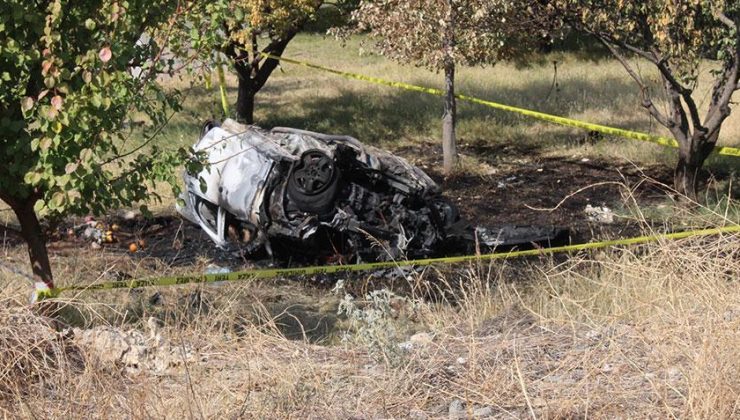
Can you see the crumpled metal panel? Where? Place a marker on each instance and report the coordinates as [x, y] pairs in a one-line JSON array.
[[375, 198], [238, 168]]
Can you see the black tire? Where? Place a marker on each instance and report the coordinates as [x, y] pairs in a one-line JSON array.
[[313, 182]]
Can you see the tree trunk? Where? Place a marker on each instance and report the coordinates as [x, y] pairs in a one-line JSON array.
[[449, 147], [685, 178], [253, 72], [245, 101], [688, 177], [36, 242]]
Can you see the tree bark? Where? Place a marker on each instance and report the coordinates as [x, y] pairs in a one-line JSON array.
[[245, 101], [689, 177], [685, 178], [449, 119], [36, 242], [254, 71]]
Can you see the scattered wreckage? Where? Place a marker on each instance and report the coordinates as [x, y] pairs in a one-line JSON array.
[[299, 193]]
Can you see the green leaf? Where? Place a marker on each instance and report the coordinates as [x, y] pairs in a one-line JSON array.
[[96, 100], [38, 206], [57, 200], [32, 178], [45, 144], [86, 155], [63, 180], [27, 104]]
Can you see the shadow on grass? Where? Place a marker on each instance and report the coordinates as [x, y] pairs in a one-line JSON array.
[[390, 117], [380, 115]]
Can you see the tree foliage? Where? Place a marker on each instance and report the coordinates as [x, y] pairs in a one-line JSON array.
[[244, 30], [441, 34], [68, 90], [68, 93], [675, 36], [419, 31]]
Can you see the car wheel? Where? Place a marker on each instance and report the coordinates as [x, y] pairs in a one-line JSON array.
[[313, 182]]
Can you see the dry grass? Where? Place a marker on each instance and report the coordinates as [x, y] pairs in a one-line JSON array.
[[639, 332], [597, 91]]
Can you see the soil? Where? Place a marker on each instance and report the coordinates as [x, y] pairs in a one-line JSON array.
[[516, 188], [533, 190], [519, 189]]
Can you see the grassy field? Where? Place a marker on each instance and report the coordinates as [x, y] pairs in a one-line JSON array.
[[640, 332], [594, 91]]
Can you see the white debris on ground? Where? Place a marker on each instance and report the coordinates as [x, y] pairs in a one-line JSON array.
[[598, 214], [132, 350], [417, 340], [459, 410], [506, 182]]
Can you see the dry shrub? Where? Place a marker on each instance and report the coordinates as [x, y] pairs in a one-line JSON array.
[[648, 331], [31, 351]]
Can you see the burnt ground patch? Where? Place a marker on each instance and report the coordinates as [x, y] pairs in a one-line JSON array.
[[516, 187], [528, 189]]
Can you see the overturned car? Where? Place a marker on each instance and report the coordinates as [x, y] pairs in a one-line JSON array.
[[293, 192]]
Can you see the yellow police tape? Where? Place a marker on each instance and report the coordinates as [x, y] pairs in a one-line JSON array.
[[222, 88], [635, 135], [338, 269]]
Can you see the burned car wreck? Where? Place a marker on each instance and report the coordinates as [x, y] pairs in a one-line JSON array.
[[298, 193]]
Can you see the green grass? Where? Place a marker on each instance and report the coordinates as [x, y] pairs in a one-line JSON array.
[[594, 91], [598, 91]]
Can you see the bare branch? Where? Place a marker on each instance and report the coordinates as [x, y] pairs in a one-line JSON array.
[[648, 55], [655, 112], [724, 88], [646, 100], [662, 64], [666, 72], [726, 21], [277, 48], [680, 126], [623, 60], [693, 112]]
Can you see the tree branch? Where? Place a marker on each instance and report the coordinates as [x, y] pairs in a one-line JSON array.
[[726, 20], [662, 65], [724, 88], [277, 48], [646, 100], [631, 48], [672, 85], [680, 127], [693, 112]]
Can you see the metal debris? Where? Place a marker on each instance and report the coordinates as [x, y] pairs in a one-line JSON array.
[[304, 193]]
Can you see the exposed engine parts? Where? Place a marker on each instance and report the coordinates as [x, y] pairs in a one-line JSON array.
[[303, 193]]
